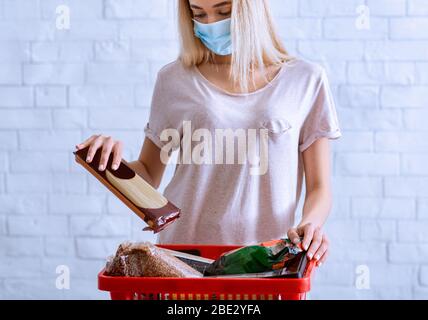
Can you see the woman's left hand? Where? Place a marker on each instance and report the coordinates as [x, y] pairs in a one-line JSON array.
[[314, 241]]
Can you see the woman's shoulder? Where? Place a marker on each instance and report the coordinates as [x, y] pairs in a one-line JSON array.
[[172, 69], [305, 68], [174, 76]]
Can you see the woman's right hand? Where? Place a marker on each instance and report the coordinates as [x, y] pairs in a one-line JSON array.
[[108, 146]]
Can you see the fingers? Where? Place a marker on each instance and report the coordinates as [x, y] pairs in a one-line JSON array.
[[316, 243], [95, 145], [117, 155], [105, 153], [323, 259], [108, 146], [322, 249], [86, 143], [308, 234], [293, 235]]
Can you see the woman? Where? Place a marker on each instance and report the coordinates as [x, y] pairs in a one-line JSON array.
[[234, 74]]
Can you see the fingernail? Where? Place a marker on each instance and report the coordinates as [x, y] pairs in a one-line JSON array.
[[310, 256], [319, 264], [88, 159], [114, 167], [101, 168], [317, 257]]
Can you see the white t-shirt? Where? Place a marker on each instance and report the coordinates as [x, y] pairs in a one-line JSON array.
[[228, 203]]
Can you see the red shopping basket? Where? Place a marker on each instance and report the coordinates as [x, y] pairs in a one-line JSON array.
[[146, 288]]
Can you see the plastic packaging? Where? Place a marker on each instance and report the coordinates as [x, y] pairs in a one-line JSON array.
[[196, 262], [146, 260], [268, 256]]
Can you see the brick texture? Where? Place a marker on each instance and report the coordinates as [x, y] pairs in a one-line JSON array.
[[57, 87]]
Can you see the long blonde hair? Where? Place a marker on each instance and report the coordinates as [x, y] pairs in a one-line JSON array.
[[255, 40]]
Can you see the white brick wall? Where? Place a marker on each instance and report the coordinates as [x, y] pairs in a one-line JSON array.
[[57, 87]]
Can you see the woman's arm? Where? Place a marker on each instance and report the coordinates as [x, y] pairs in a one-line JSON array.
[[149, 164], [318, 201]]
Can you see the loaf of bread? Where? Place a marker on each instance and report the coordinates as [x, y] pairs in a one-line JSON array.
[[146, 260]]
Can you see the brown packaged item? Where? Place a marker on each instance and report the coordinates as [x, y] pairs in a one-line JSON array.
[[149, 204], [118, 265], [146, 260]]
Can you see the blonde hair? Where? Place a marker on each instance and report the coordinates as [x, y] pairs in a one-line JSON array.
[[255, 40]]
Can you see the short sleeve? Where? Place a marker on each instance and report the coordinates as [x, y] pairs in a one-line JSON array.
[[321, 121], [159, 114]]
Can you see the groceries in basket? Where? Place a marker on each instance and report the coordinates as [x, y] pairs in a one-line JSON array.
[[196, 262], [146, 260], [269, 259], [273, 259], [136, 193], [249, 288]]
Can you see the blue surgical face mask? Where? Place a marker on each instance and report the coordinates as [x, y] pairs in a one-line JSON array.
[[215, 36]]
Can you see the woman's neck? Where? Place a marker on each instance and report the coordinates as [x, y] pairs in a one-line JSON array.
[[217, 59]]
